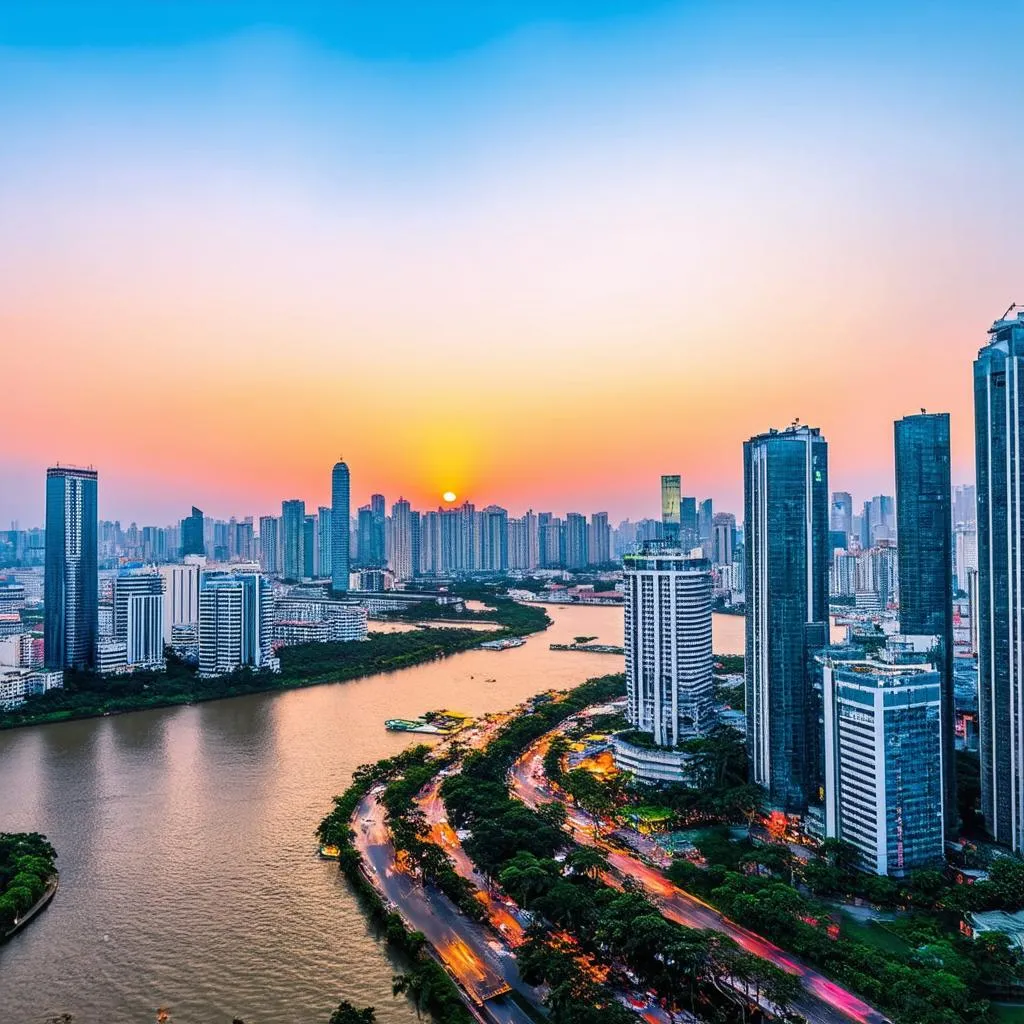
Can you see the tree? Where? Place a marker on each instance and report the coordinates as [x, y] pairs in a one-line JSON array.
[[587, 860], [346, 1013]]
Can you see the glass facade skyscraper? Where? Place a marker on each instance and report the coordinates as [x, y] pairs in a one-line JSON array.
[[671, 503], [341, 515], [71, 577], [998, 405], [192, 539], [786, 527], [293, 525], [924, 533]]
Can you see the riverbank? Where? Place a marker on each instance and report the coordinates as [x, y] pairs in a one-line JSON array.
[[87, 695], [37, 908]]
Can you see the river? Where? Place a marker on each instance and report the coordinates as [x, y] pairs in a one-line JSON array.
[[185, 839]]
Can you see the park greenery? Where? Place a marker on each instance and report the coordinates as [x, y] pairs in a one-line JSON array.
[[88, 694], [584, 928], [26, 871]]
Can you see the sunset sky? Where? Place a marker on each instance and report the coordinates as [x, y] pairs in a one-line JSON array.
[[532, 252]]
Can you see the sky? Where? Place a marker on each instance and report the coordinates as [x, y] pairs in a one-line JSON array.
[[534, 253]]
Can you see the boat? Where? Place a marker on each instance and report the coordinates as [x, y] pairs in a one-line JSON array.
[[329, 852], [433, 723], [503, 644]]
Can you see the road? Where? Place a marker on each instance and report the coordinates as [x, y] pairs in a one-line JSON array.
[[478, 961], [828, 1003]]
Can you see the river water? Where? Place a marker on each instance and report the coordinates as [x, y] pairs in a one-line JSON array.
[[185, 840]]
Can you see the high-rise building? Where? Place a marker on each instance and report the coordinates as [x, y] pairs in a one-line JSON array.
[[364, 536], [378, 541], [688, 534], [841, 516], [270, 545], [786, 520], [884, 762], [577, 555], [998, 403], [193, 534], [723, 539], [925, 537], [324, 543], [309, 532], [965, 501], [340, 518], [138, 601], [965, 552], [668, 643], [236, 623], [400, 558], [181, 595], [705, 526], [494, 539], [671, 505], [71, 575], [467, 555], [293, 524], [599, 541]]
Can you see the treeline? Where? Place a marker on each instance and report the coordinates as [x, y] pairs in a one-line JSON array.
[[513, 618], [425, 982], [26, 868], [939, 981], [580, 920]]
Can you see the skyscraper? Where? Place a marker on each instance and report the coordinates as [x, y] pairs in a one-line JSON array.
[[400, 557], [309, 529], [577, 555], [293, 521], [181, 595], [378, 514], [841, 516], [193, 540], [924, 533], [325, 539], [340, 517], [668, 643], [786, 519], [494, 539], [600, 539], [71, 576], [139, 617], [705, 521], [688, 534], [724, 538], [671, 503], [236, 618], [270, 544], [998, 402]]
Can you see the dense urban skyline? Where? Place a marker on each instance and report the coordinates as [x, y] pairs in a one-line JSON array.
[[389, 237]]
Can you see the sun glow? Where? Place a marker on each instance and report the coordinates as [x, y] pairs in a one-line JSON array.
[[449, 496]]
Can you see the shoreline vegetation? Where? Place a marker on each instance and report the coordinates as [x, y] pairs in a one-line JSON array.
[[28, 879], [90, 695]]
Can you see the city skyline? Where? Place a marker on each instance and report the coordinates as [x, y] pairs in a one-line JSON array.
[[438, 246]]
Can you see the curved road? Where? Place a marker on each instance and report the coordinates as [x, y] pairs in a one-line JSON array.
[[830, 1003]]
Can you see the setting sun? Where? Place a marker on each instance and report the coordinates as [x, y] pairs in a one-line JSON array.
[[449, 496]]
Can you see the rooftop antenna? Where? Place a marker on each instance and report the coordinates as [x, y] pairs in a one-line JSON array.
[[1009, 309]]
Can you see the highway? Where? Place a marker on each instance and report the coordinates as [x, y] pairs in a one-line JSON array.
[[827, 1002]]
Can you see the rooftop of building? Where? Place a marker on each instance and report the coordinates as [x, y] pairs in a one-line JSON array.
[[796, 430]]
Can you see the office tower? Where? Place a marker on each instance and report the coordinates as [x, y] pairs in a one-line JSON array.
[[236, 621], [786, 516], [309, 531], [688, 523], [400, 559], [181, 595], [668, 643], [576, 553], [924, 544], [884, 753], [671, 505], [364, 536], [193, 537], [293, 521], [998, 401], [965, 504], [841, 515], [378, 555], [139, 617], [723, 538], [324, 542], [340, 525], [837, 540], [599, 541], [965, 552], [71, 587], [705, 526], [270, 545], [494, 539]]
